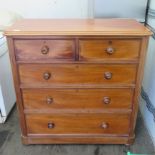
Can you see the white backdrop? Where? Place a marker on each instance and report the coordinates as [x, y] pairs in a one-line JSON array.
[[47, 8], [149, 76], [121, 8]]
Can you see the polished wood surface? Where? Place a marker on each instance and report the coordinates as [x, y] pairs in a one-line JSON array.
[[46, 99], [62, 74], [110, 49], [44, 49], [78, 124], [72, 139], [76, 27], [77, 81]]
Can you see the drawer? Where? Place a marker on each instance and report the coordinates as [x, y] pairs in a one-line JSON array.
[[85, 74], [27, 50], [118, 49], [92, 123], [39, 99]]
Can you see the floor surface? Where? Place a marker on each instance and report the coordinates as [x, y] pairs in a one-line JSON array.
[[10, 143]]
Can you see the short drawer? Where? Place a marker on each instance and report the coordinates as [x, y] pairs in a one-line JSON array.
[[46, 99], [28, 50], [111, 49], [92, 123], [85, 74]]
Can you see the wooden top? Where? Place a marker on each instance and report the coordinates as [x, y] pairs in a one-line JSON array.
[[105, 27]]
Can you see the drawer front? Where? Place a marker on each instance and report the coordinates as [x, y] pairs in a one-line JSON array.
[[44, 49], [109, 49], [91, 123], [35, 74], [77, 98]]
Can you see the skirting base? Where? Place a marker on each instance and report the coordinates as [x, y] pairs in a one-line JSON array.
[[77, 140]]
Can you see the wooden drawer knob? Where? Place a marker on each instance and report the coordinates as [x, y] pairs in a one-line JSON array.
[[49, 100], [110, 50], [105, 125], [51, 125], [108, 75], [45, 49], [106, 100], [46, 76]]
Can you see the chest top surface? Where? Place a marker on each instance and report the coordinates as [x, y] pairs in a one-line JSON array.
[[113, 27]]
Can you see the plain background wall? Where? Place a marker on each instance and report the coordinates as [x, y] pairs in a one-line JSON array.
[[149, 77], [48, 8], [121, 8], [149, 87]]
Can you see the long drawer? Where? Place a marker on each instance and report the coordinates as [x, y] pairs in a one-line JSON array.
[[92, 123], [84, 74], [39, 49], [110, 49], [46, 99]]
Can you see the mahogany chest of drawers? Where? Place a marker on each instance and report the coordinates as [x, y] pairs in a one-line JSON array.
[[77, 81]]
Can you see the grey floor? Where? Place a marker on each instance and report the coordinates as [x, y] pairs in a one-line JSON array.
[[10, 143]]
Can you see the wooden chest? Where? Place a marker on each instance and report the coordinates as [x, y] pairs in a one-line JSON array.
[[77, 81]]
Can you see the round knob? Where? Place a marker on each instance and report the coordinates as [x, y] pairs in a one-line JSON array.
[[106, 100], [45, 49], [104, 125], [49, 100], [110, 50], [51, 125], [46, 76], [108, 75]]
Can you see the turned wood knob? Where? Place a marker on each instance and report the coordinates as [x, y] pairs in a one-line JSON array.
[[46, 75], [49, 100], [104, 125], [108, 75], [110, 50], [45, 49], [51, 125], [106, 100]]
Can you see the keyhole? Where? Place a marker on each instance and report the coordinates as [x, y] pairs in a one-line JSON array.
[[110, 42]]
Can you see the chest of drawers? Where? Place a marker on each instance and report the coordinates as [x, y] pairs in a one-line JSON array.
[[77, 81]]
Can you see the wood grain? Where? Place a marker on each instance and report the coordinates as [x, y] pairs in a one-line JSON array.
[[76, 27], [125, 49], [32, 49], [76, 74], [77, 81], [138, 84], [78, 124], [16, 85], [46, 99], [72, 139]]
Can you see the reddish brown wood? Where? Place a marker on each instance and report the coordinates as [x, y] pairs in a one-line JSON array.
[[44, 49], [77, 27], [78, 124], [17, 86], [78, 139], [111, 49], [138, 84], [44, 99], [31, 74], [77, 81]]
